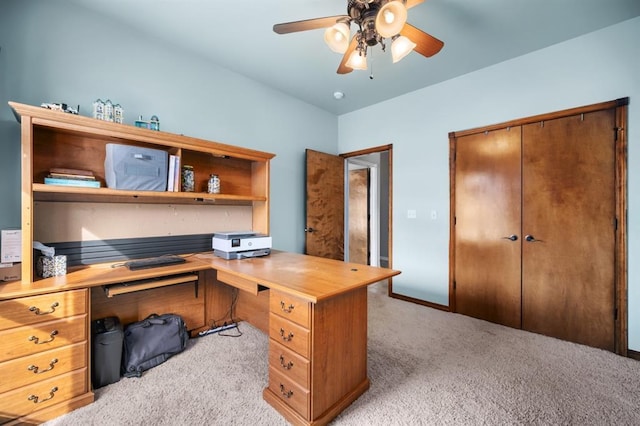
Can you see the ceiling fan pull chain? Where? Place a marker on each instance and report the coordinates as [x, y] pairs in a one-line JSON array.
[[372, 62]]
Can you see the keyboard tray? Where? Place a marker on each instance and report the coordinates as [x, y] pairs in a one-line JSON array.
[[133, 286], [154, 262]]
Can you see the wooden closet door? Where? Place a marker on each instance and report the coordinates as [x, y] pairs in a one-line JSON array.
[[568, 268], [488, 211]]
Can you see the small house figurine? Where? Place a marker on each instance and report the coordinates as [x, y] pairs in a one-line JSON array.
[[98, 109], [118, 114], [108, 111]]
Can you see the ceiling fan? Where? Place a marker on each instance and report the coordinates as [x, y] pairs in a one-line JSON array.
[[376, 20]]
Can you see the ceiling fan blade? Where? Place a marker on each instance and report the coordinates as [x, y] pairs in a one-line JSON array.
[[427, 45], [411, 3], [308, 24], [343, 68]]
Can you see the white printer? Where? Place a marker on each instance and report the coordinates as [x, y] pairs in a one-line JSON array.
[[240, 244]]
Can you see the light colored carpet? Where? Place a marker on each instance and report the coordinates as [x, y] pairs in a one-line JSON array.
[[426, 367]]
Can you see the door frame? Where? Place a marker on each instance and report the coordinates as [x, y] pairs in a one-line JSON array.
[[355, 163], [621, 278], [352, 157]]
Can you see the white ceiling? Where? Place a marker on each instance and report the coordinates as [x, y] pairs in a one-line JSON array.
[[238, 35]]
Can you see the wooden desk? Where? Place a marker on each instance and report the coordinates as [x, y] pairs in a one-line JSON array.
[[317, 329], [315, 310]]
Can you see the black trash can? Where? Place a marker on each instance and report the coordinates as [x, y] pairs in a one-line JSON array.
[[107, 336]]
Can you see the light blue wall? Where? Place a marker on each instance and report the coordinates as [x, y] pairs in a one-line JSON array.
[[597, 67], [54, 52]]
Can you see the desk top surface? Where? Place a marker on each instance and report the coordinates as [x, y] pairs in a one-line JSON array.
[[312, 278]]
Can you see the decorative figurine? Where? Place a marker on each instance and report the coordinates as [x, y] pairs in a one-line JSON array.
[[60, 107]]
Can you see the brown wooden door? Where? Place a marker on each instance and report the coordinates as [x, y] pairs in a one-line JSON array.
[[487, 226], [359, 216], [568, 267], [325, 205]]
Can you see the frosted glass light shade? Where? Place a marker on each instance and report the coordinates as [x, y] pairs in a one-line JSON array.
[[391, 18], [337, 37], [401, 47], [357, 61]]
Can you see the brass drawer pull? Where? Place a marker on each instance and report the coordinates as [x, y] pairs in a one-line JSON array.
[[51, 310], [37, 341], [286, 338], [286, 366], [287, 394], [286, 309], [36, 399], [36, 369]]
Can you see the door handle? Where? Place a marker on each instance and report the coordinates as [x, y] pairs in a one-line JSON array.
[[532, 239], [513, 237], [309, 229]]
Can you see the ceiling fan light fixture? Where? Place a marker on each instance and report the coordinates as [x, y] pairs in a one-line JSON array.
[[357, 60], [337, 37], [391, 18], [401, 47]]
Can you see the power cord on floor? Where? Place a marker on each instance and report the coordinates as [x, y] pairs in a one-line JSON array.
[[231, 325]]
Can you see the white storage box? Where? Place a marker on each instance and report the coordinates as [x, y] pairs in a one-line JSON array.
[[135, 168]]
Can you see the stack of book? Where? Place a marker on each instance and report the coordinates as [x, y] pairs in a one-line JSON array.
[[72, 177]]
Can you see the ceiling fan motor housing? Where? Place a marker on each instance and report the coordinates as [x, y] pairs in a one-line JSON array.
[[363, 13]]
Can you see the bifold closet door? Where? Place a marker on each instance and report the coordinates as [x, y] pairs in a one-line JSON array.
[[487, 226], [568, 222]]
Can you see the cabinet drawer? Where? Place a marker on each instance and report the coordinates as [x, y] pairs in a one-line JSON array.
[[289, 334], [32, 339], [25, 400], [289, 392], [31, 369], [45, 307], [290, 307], [289, 363]]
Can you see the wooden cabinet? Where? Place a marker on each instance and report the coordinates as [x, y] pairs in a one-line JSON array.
[[44, 339], [317, 355], [51, 139], [538, 215], [44, 355]]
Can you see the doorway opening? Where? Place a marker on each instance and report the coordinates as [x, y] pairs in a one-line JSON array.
[[368, 206]]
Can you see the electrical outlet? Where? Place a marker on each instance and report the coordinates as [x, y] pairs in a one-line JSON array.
[[411, 214]]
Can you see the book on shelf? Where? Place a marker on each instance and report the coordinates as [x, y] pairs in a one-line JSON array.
[[68, 176], [172, 170], [72, 182], [176, 175], [173, 177], [72, 172]]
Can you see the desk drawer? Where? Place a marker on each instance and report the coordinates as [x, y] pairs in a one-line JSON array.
[[45, 307], [289, 363], [290, 307], [289, 334], [238, 282], [290, 392], [25, 400], [27, 370], [32, 339]]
